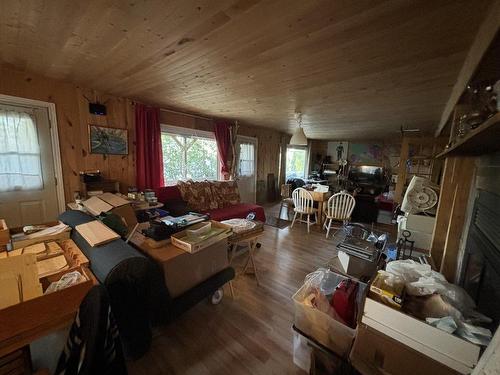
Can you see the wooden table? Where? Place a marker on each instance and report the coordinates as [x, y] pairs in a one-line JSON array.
[[321, 198]]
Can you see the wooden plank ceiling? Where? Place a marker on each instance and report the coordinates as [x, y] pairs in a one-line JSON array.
[[355, 69]]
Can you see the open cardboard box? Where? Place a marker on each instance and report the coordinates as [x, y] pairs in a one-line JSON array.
[[448, 349], [28, 320], [17, 244], [374, 353], [180, 239]]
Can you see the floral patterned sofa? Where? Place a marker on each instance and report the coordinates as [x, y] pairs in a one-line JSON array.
[[219, 199]]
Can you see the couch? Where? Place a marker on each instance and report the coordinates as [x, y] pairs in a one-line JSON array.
[[136, 287], [219, 199]]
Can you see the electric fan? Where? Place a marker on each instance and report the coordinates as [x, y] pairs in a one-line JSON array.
[[421, 196]]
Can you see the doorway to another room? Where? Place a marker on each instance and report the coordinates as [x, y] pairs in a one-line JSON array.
[[29, 163], [246, 168]]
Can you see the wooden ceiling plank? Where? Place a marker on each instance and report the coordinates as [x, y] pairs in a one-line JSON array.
[[373, 27], [347, 65]]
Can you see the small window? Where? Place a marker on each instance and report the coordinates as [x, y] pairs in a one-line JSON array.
[[247, 159], [296, 162], [20, 160], [188, 156]]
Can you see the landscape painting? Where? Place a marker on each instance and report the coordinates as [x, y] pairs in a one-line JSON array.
[[103, 140]]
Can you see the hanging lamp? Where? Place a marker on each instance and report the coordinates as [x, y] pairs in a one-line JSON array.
[[298, 138]]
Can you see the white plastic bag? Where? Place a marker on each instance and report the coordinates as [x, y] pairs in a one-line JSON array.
[[66, 280], [324, 280], [421, 280]]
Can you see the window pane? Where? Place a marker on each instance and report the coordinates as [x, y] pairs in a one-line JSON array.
[[20, 160], [189, 157], [173, 157], [202, 159], [295, 162]]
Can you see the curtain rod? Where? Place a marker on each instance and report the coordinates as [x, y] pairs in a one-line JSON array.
[[186, 114]]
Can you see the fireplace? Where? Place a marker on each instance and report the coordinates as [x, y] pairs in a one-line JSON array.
[[480, 275]]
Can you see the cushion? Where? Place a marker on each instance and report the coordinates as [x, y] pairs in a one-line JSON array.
[[167, 193], [230, 193], [176, 207], [198, 195], [205, 194], [217, 195]]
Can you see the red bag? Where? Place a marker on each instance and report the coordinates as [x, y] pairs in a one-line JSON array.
[[344, 301]]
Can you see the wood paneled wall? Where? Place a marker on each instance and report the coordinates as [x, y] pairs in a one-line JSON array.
[[269, 146], [451, 213], [73, 120]]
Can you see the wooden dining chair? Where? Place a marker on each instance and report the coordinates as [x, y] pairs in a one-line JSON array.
[[286, 200], [339, 208], [304, 205]]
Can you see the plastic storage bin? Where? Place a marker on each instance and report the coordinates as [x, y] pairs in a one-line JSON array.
[[322, 327]]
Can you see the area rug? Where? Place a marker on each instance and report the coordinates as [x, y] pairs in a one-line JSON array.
[[278, 223]]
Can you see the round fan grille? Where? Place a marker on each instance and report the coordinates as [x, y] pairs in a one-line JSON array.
[[423, 198]]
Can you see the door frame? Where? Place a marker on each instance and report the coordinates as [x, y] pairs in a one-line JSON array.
[[54, 137], [256, 140]]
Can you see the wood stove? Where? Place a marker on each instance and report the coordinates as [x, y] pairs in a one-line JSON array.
[[480, 275]]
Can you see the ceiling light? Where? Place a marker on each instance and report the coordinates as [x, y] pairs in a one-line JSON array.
[[299, 138]]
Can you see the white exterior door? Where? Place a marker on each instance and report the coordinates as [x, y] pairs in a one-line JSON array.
[[27, 177], [246, 168]]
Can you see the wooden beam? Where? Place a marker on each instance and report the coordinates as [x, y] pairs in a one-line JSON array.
[[450, 219], [400, 184], [443, 212], [482, 41], [406, 144]]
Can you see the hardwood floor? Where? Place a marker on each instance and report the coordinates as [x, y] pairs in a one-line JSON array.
[[250, 334]]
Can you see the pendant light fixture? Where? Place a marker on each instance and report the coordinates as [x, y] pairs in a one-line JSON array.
[[298, 138]]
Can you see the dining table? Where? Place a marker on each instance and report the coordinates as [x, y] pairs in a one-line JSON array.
[[321, 198]]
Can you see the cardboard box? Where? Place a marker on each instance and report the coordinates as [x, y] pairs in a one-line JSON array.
[[376, 353], [184, 270], [4, 235], [391, 295], [445, 348], [420, 223], [180, 240], [357, 267], [23, 322], [19, 243], [420, 227]]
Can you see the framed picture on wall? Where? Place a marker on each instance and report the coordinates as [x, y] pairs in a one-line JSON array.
[[338, 151], [111, 141]]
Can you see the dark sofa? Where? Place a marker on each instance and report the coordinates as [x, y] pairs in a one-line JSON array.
[[138, 296]]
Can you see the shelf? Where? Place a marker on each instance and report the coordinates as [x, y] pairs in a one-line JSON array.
[[482, 140]]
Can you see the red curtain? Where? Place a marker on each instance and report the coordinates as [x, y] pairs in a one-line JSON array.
[[223, 138], [149, 161]]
